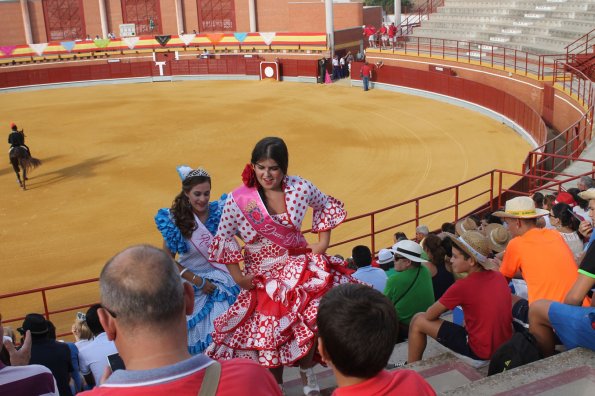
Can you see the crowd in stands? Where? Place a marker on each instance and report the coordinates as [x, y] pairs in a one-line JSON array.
[[384, 37], [529, 267]]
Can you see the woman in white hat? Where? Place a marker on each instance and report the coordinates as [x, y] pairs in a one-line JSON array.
[[484, 297]]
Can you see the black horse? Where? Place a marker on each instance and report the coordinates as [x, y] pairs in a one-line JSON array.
[[20, 158]]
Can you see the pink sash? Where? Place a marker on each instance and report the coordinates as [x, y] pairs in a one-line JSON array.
[[251, 205], [201, 239]]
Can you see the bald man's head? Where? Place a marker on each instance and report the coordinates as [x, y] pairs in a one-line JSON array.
[[141, 286]]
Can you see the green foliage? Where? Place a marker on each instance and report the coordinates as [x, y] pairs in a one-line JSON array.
[[387, 5]]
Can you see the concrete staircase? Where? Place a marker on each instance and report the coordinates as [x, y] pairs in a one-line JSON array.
[[534, 26]]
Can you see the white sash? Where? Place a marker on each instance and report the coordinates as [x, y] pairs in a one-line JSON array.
[[201, 239]]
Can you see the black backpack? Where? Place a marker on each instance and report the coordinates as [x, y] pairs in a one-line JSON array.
[[521, 349]]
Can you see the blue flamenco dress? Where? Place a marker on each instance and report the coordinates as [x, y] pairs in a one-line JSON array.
[[207, 307]]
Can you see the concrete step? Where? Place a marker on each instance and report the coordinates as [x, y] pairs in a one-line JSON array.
[[568, 373]]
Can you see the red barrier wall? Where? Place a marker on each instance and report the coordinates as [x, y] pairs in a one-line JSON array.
[[456, 87], [224, 65]]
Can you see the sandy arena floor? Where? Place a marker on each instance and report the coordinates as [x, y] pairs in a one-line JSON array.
[[110, 154]]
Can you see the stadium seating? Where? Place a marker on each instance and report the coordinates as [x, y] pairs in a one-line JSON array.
[[535, 26]]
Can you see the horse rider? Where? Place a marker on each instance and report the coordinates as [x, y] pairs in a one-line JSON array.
[[16, 138]]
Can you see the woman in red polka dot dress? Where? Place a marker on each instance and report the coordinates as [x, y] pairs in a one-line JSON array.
[[273, 320]]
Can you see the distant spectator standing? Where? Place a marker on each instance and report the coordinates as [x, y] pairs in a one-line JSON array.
[[410, 290], [370, 33], [366, 74], [22, 378], [47, 352], [93, 356], [375, 277], [357, 329], [336, 68], [144, 308], [392, 34]]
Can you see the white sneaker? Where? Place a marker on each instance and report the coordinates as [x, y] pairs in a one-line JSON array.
[[312, 387]]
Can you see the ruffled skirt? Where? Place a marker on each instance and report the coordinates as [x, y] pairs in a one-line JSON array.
[[274, 324], [207, 307]]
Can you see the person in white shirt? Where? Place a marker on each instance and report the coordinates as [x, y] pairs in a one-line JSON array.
[[93, 356], [375, 277]]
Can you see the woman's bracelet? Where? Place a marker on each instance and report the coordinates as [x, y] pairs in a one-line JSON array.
[[204, 280]]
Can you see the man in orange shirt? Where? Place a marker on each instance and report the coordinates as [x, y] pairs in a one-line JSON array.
[[540, 256]]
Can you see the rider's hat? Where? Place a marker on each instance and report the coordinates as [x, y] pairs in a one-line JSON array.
[[13, 125]]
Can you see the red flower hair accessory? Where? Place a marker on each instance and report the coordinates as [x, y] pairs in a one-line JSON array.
[[248, 176]]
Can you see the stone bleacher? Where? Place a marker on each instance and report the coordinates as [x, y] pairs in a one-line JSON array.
[[534, 26]]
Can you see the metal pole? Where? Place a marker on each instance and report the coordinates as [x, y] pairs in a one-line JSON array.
[[179, 17], [252, 12], [397, 12], [26, 21], [330, 30], [103, 17]]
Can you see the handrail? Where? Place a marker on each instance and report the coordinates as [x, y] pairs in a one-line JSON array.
[[414, 19], [578, 43]]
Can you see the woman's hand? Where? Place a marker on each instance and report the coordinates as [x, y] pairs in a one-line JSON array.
[[317, 248], [246, 282], [209, 287]]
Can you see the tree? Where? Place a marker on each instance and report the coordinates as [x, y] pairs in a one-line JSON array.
[[387, 5]]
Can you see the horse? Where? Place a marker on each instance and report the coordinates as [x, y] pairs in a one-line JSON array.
[[20, 158]]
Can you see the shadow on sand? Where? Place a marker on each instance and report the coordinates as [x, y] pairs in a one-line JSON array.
[[83, 170]]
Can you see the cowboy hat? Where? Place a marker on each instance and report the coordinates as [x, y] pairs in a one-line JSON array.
[[587, 194], [474, 244], [410, 250], [521, 208], [498, 237], [464, 225]]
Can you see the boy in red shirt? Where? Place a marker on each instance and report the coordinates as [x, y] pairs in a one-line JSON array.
[[357, 330], [484, 296]]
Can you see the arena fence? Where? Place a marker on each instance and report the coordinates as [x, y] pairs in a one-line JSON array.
[[489, 188]]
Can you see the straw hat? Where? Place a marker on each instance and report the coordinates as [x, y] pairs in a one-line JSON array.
[[521, 208], [464, 225], [385, 256], [410, 250], [498, 237], [475, 244], [587, 194]]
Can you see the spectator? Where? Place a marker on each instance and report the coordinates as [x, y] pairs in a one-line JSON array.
[[375, 277], [144, 308], [448, 227], [585, 227], [487, 219], [366, 74], [93, 356], [385, 261], [573, 324], [77, 382], [357, 329], [410, 290], [563, 218], [421, 232], [392, 34], [441, 277], [540, 255], [585, 183], [22, 378], [484, 297], [47, 352], [582, 205], [538, 199], [80, 330], [464, 225], [498, 238], [336, 68], [399, 236]]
